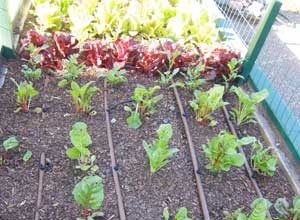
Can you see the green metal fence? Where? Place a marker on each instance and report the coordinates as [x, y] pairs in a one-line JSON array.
[[268, 64]]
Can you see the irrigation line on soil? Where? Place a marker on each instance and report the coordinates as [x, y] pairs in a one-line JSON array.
[[40, 189], [247, 166], [193, 156], [112, 156]]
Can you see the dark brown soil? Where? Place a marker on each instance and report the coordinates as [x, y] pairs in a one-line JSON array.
[[49, 132], [144, 195], [173, 186]]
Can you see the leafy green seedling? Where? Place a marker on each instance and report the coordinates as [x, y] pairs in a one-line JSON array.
[[192, 77], [72, 69], [35, 56], [27, 156], [182, 214], [233, 66], [81, 140], [285, 211], [221, 151], [10, 143], [205, 103], [259, 207], [167, 76], [263, 160], [159, 152], [115, 75], [166, 213], [24, 93], [134, 120], [31, 74], [244, 112], [82, 96], [144, 101], [89, 193]]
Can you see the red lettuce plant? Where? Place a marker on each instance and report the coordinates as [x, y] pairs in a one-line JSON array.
[[216, 62], [125, 52], [50, 60], [96, 53], [65, 44]]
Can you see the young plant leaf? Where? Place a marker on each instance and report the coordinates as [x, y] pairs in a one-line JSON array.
[[159, 152], [166, 214], [221, 151], [27, 156], [10, 143], [89, 192]]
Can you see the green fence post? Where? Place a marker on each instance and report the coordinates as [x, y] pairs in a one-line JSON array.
[[260, 36]]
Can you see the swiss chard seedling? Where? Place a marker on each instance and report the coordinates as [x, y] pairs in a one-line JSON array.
[[167, 76], [115, 75], [259, 207], [287, 212], [24, 93], [263, 160], [81, 141], [182, 214], [159, 152], [144, 101], [233, 66], [205, 103], [8, 145], [243, 113], [89, 193], [72, 69], [82, 96], [192, 78], [222, 153]]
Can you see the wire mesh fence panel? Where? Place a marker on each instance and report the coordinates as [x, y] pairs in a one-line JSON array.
[[276, 68]]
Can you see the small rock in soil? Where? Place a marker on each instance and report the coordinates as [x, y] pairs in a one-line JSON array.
[[113, 120]]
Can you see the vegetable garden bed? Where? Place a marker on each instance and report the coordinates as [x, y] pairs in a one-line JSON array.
[[52, 124]]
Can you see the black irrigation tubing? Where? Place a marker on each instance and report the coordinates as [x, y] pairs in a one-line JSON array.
[[247, 166], [40, 187], [112, 156], [193, 156]]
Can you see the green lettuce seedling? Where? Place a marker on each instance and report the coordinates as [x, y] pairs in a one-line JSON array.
[[205, 103], [285, 211], [159, 152], [222, 153], [263, 160], [81, 140], [89, 193], [259, 207], [24, 93], [82, 96], [243, 113]]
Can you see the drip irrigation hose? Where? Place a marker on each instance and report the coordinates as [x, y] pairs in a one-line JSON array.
[[193, 156], [240, 149], [112, 156], [40, 189]]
